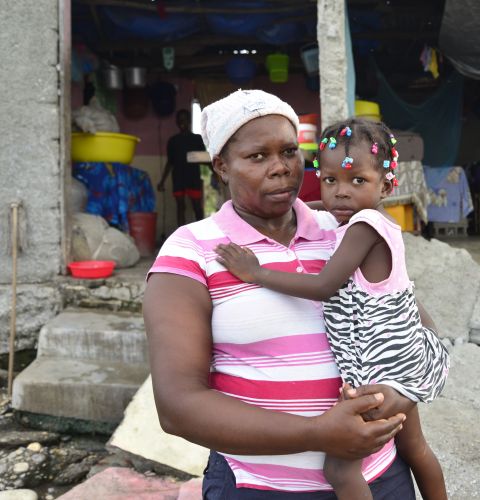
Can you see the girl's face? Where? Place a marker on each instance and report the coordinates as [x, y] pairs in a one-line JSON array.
[[347, 191], [263, 167]]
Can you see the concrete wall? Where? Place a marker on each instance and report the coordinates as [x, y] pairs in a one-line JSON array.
[[30, 169], [332, 61], [29, 135]]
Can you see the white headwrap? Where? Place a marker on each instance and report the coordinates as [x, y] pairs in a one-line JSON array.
[[221, 119]]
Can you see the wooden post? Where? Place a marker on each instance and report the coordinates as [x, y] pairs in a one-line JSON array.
[[64, 103]]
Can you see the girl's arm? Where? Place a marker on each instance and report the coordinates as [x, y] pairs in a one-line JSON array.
[[358, 241]]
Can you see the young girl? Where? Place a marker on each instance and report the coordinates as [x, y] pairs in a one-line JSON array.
[[372, 319]]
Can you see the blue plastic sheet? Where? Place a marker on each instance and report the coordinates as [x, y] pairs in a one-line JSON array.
[[130, 22]]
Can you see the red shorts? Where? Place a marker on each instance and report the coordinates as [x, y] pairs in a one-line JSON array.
[[194, 194]]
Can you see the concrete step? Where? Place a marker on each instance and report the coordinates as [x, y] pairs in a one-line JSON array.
[[94, 335], [97, 390]]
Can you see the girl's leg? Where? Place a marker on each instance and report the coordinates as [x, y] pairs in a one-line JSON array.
[[413, 448], [346, 478]]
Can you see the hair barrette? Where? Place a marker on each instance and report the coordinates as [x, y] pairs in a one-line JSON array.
[[394, 152], [393, 165], [393, 140], [347, 162], [395, 182], [386, 164], [323, 143], [389, 176], [346, 131], [374, 149], [333, 143]]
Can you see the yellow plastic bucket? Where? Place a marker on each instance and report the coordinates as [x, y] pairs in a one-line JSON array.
[[277, 65], [103, 147], [367, 109]]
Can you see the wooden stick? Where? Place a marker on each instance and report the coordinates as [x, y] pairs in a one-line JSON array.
[[13, 316]]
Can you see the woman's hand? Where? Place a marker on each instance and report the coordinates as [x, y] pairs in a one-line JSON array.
[[239, 261], [393, 403], [347, 435]]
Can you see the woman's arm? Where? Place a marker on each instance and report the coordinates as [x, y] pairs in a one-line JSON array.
[[177, 313], [358, 241]]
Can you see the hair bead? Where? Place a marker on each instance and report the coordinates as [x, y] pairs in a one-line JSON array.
[[347, 162]]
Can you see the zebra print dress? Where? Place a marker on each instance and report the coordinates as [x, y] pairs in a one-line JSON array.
[[375, 332]]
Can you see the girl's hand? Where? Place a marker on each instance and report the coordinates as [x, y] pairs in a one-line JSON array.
[[393, 403], [239, 261]]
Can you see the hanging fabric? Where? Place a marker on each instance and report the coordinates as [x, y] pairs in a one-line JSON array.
[[437, 120]]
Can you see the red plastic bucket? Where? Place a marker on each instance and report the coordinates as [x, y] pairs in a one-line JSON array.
[[143, 226]]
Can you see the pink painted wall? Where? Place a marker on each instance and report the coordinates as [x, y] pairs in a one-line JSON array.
[[154, 132]]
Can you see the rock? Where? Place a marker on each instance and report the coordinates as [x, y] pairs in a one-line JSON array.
[[124, 484], [442, 274], [21, 438], [23, 468], [191, 490], [34, 447], [110, 460], [20, 467], [463, 383], [451, 426], [74, 473]]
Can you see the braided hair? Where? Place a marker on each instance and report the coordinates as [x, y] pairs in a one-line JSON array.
[[357, 131]]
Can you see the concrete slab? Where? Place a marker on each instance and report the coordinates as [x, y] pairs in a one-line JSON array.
[[18, 495], [83, 334], [117, 483], [84, 389], [140, 434]]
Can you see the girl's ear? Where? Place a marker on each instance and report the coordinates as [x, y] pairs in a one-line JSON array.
[[220, 168], [387, 188]]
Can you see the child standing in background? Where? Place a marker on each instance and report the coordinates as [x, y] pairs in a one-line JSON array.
[[372, 318]]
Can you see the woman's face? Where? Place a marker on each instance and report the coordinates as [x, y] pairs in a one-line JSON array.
[[263, 166]]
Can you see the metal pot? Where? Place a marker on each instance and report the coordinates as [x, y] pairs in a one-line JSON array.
[[112, 76], [135, 77]]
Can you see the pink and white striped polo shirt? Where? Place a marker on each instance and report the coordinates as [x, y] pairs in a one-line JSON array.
[[269, 349]]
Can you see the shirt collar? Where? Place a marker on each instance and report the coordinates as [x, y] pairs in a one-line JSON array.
[[242, 233]]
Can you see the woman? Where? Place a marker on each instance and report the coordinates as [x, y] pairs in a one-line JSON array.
[[245, 371]]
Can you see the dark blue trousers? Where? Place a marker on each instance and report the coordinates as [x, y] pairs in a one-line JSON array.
[[219, 484]]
